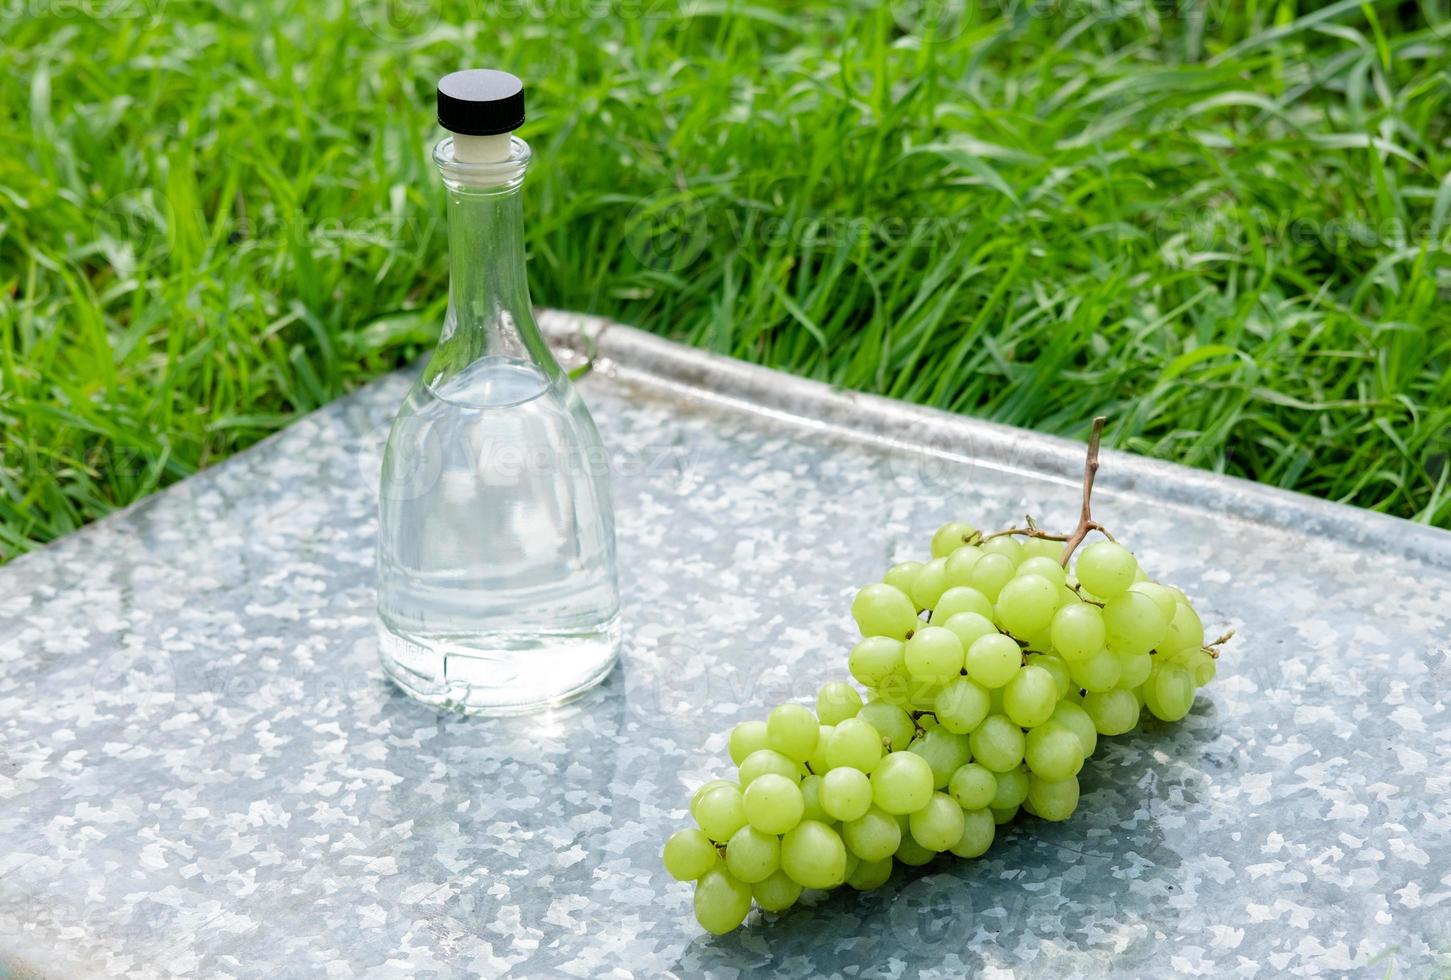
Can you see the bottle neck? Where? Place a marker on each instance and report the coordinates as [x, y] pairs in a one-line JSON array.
[[489, 312]]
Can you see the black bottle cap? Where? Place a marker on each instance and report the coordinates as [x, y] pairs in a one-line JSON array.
[[480, 102]]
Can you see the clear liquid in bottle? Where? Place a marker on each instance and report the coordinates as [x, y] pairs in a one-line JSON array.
[[497, 587]]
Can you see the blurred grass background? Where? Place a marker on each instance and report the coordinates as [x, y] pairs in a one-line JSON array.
[[1223, 224]]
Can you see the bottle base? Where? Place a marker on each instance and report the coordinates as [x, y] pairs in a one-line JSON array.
[[498, 673]]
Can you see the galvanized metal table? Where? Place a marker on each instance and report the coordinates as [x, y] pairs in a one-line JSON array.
[[203, 772]]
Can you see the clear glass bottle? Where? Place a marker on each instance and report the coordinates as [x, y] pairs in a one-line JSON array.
[[497, 589]]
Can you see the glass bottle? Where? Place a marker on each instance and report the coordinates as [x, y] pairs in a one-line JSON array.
[[497, 589]]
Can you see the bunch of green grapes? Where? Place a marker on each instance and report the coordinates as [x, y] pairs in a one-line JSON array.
[[990, 672]]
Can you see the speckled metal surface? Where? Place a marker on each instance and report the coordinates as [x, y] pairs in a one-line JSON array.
[[203, 773]]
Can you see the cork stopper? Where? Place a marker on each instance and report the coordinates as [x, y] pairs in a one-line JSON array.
[[481, 107]]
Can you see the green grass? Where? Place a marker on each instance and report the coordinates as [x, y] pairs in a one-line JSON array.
[[1228, 226]]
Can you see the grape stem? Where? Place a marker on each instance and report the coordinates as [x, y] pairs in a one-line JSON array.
[[917, 730], [1027, 532], [1213, 648], [1086, 522], [1030, 531]]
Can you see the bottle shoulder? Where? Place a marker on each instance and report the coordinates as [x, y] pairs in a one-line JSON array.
[[499, 387]]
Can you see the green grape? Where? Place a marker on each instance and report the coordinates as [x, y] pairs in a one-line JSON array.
[[1201, 667], [706, 788], [856, 744], [995, 699], [721, 813], [1133, 669], [1185, 629], [969, 627], [1163, 597], [811, 808], [1012, 788], [846, 793], [762, 761], [978, 830], [1053, 800], [1026, 604], [934, 652], [973, 786], [913, 854], [944, 752], [773, 803], [870, 874], [950, 537], [997, 743], [902, 783], [1030, 697], [923, 691], [896, 689], [722, 901], [818, 763], [903, 576], [875, 659], [1054, 752], [1058, 667], [1039, 642], [1044, 548], [746, 738], [776, 893], [1077, 631], [960, 564], [1169, 692], [752, 855], [880, 610], [1179, 657], [872, 836], [837, 701], [1098, 673], [1003, 815], [1105, 568], [1005, 546], [938, 825], [962, 705], [813, 855], [930, 583], [961, 599], [1077, 719], [1044, 567], [1113, 712], [1133, 623], [792, 730], [689, 854], [993, 660], [990, 574], [890, 720]]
